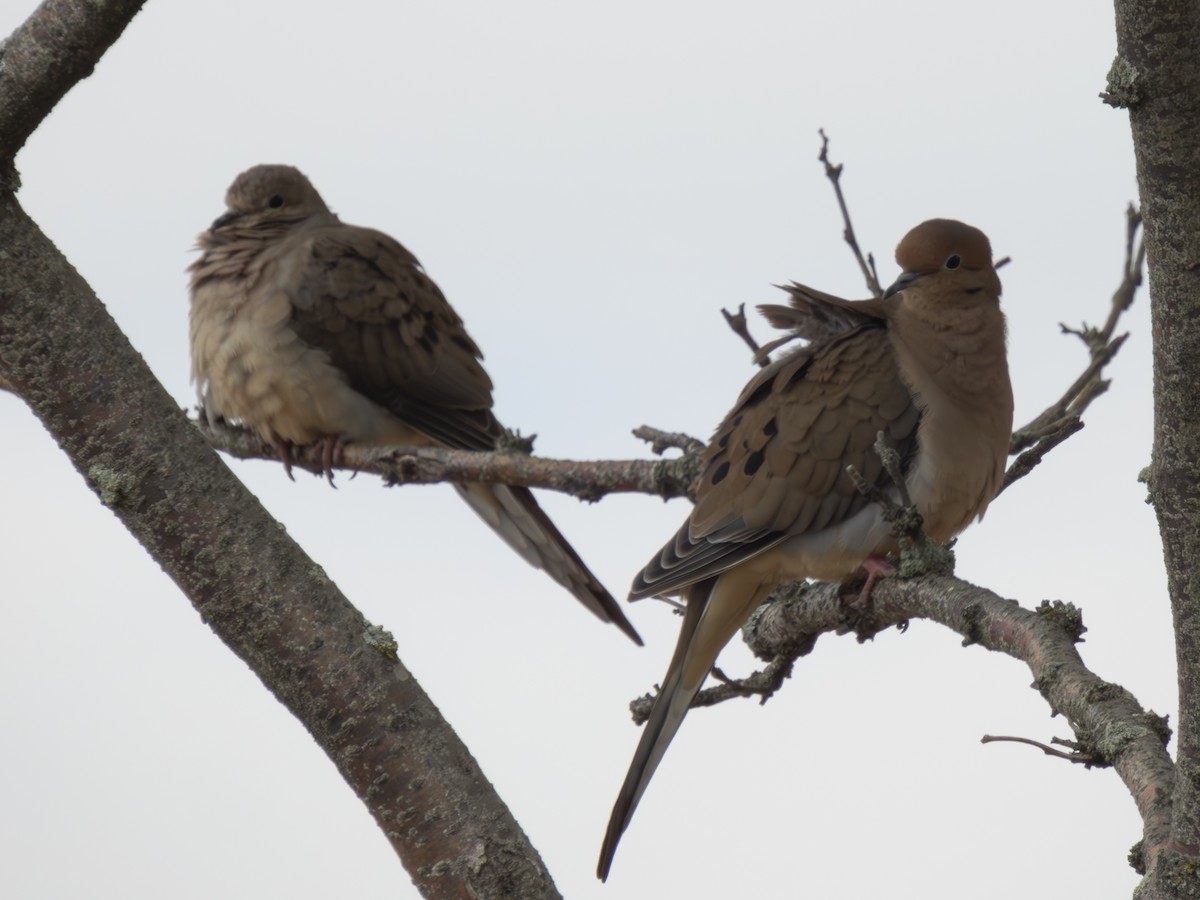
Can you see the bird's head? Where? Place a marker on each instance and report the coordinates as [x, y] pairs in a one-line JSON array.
[[271, 196], [959, 255]]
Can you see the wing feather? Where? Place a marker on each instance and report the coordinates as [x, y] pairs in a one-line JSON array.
[[363, 298], [775, 468]]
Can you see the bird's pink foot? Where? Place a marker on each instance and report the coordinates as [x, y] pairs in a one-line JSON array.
[[285, 457], [332, 454], [877, 567]]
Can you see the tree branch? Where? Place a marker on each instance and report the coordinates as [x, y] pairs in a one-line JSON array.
[[737, 323], [1154, 75], [1102, 347], [661, 441], [1111, 728], [1031, 458], [589, 480], [56, 47], [1077, 754], [260, 593], [834, 174]]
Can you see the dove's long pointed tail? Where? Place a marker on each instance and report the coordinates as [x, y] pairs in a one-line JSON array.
[[514, 514], [716, 608]]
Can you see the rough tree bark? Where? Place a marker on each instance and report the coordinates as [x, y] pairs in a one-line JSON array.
[[1156, 75], [270, 603]]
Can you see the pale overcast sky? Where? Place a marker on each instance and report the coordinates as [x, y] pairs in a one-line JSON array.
[[589, 184]]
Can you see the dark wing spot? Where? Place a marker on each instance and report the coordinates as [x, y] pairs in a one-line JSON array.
[[770, 428], [722, 471], [753, 462]]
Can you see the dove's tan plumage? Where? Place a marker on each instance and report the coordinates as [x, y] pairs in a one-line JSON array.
[[925, 365], [307, 329]]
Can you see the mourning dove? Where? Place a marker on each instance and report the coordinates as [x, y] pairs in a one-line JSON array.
[[925, 365], [306, 329]]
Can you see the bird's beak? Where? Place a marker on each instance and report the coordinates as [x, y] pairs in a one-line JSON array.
[[224, 219], [905, 279]]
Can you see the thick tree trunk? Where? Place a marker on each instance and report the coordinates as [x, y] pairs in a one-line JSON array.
[[1157, 76]]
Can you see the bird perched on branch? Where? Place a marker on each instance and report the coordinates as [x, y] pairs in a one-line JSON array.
[[924, 364], [307, 330]]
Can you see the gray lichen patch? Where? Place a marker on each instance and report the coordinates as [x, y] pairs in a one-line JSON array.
[[113, 487], [1124, 84]]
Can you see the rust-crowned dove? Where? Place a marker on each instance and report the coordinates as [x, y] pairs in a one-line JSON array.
[[925, 364]]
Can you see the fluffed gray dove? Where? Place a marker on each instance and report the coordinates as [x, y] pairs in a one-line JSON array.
[[308, 330], [926, 365]]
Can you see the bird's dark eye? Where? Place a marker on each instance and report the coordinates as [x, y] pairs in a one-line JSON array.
[[954, 261], [276, 201]]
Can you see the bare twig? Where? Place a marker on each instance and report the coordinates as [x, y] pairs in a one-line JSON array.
[[1029, 460], [891, 464], [737, 322], [1102, 347], [1078, 755], [762, 684], [834, 174], [661, 441], [430, 465]]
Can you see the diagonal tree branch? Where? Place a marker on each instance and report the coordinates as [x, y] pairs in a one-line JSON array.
[[1108, 722], [57, 46], [262, 595], [1101, 344], [270, 603]]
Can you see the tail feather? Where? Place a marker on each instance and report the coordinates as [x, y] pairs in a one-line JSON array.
[[514, 514], [670, 706], [716, 608]]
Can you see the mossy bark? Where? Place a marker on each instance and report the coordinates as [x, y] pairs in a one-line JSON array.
[[271, 604], [1157, 77]]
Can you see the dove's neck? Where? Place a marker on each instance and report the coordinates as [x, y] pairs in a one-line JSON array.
[[241, 252], [954, 363]]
